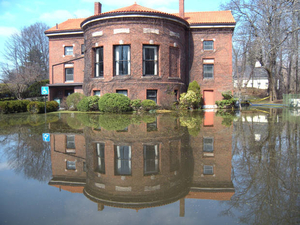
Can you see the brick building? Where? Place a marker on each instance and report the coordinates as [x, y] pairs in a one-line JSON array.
[[142, 53]]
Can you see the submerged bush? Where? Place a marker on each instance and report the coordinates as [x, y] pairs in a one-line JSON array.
[[136, 104], [88, 104], [113, 102], [73, 100], [148, 105], [14, 106], [39, 107]]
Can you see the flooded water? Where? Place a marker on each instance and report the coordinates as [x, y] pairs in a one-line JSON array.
[[187, 168]]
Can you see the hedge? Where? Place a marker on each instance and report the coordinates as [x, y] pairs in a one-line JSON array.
[[14, 106], [39, 107], [73, 100], [148, 105]]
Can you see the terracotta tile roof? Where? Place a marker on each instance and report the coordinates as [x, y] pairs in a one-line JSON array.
[[70, 24], [134, 8], [193, 18], [213, 17]]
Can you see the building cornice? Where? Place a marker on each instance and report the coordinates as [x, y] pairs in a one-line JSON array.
[[134, 15], [61, 33]]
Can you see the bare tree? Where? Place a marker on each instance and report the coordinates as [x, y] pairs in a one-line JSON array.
[[268, 23], [26, 55]]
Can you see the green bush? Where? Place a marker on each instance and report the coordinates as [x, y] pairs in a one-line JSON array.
[[36, 107], [113, 102], [88, 104], [195, 87], [187, 100], [39, 107], [136, 104], [14, 106], [148, 105], [73, 100], [227, 95], [34, 90]]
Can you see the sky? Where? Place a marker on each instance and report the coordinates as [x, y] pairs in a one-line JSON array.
[[17, 14]]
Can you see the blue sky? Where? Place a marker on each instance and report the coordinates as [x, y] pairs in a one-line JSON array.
[[16, 14]]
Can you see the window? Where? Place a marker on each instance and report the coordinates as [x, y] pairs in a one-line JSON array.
[[68, 50], [151, 158], [123, 160], [71, 165], [122, 60], [152, 95], [208, 170], [82, 49], [208, 71], [100, 149], [96, 92], [99, 62], [70, 141], [69, 74], [150, 60], [208, 144], [68, 92], [122, 92], [208, 45]]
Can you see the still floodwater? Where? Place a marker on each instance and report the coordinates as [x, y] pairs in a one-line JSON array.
[[198, 168]]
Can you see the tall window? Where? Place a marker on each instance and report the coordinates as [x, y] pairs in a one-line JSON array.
[[208, 70], [100, 148], [99, 62], [70, 141], [150, 60], [122, 60], [69, 74], [68, 50], [208, 45], [151, 159], [123, 160], [152, 95], [208, 144]]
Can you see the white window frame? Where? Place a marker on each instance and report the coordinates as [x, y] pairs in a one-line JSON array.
[[204, 45], [68, 50], [155, 47], [117, 59], [206, 72], [98, 62]]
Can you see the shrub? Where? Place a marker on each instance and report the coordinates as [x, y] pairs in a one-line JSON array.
[[73, 100], [227, 95], [83, 105], [148, 105], [39, 107], [187, 100], [34, 90], [36, 107], [14, 106], [195, 87], [113, 102], [136, 104]]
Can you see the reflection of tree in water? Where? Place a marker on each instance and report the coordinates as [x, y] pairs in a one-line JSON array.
[[26, 152], [266, 171]]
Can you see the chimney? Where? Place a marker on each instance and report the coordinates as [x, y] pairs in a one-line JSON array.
[[181, 8], [97, 8]]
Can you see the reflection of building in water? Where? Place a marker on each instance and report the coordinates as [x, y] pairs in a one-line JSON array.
[[146, 165], [212, 160], [68, 161]]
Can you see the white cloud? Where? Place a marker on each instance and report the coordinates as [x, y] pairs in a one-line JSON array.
[[59, 16], [7, 31]]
